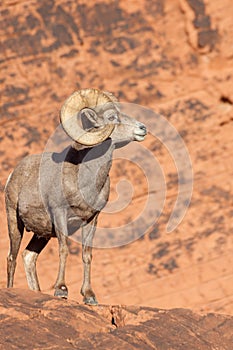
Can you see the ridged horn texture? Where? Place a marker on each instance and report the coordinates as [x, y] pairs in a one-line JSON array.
[[86, 98]]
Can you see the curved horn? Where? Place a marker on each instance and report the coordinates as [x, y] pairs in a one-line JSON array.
[[86, 98]]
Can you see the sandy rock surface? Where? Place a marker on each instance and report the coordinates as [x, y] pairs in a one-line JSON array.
[[32, 320], [174, 57]]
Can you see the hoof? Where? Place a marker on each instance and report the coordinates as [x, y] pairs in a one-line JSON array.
[[90, 301], [61, 292]]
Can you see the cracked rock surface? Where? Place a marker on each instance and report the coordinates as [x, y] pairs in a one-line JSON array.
[[31, 320]]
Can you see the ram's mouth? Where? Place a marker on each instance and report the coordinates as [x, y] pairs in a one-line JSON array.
[[140, 134], [139, 137]]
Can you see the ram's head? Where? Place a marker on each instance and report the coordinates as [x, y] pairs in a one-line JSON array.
[[100, 119]]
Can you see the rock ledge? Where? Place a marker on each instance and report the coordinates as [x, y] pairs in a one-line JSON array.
[[32, 320]]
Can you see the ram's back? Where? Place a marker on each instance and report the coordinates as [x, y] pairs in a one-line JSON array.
[[23, 195], [26, 171]]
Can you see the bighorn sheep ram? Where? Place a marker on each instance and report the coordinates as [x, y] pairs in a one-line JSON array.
[[54, 194]]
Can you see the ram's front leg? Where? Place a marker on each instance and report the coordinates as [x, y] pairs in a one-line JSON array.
[[60, 222], [88, 232]]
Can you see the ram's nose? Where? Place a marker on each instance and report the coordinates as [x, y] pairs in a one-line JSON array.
[[142, 127], [140, 132]]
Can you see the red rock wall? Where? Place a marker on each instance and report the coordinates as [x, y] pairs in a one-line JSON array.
[[175, 57]]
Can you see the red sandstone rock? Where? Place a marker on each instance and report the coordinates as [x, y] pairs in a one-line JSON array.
[[31, 320], [175, 57]]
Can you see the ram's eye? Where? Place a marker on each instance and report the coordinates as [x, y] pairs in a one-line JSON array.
[[112, 118]]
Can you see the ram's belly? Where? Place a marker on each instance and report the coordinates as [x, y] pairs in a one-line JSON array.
[[38, 221]]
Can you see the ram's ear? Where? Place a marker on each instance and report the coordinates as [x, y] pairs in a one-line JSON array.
[[88, 118]]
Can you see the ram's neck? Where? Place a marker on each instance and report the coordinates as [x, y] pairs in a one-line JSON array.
[[95, 163], [87, 169]]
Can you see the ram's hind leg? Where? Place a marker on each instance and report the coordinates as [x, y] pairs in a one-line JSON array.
[[15, 230], [30, 255]]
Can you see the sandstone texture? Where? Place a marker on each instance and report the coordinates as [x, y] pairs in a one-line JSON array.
[[176, 58], [31, 320]]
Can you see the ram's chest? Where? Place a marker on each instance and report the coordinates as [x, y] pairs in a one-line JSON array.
[[84, 202]]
